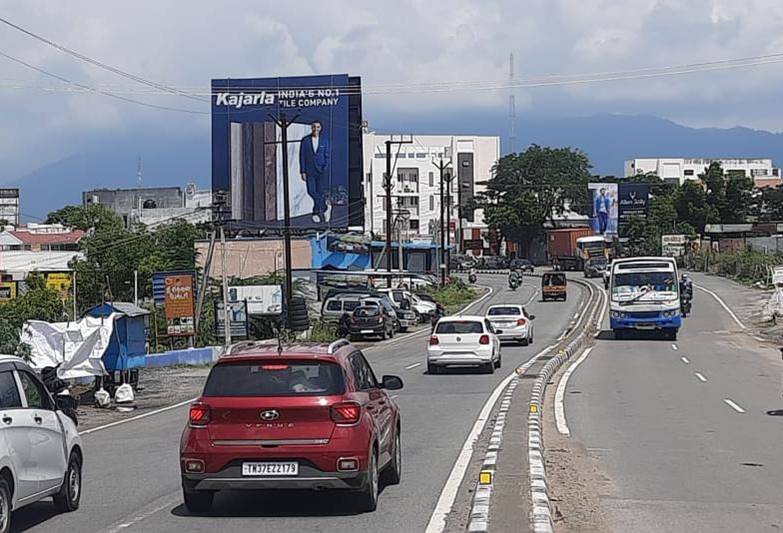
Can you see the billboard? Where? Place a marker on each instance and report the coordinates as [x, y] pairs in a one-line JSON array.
[[60, 282], [7, 291], [265, 300], [673, 245], [237, 319], [633, 200], [603, 208], [323, 152], [179, 301]]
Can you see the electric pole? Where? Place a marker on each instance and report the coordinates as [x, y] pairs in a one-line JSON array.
[[442, 166], [388, 184], [226, 323]]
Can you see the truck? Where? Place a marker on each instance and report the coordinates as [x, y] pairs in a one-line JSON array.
[[562, 247]]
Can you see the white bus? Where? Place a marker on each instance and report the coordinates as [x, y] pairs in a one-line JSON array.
[[645, 295]]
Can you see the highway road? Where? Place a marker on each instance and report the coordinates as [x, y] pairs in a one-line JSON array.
[[688, 433], [131, 477]]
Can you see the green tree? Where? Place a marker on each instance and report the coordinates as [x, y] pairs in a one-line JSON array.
[[771, 204], [527, 189], [85, 217], [691, 206], [729, 196], [36, 303]]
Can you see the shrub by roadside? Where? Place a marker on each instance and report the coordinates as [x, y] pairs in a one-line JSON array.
[[748, 267], [455, 295]]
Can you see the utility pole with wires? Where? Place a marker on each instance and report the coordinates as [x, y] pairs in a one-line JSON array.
[[388, 184], [442, 166]]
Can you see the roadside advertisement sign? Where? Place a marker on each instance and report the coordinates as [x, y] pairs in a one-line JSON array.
[[473, 244], [179, 302], [673, 245], [7, 291], [263, 300], [324, 156], [604, 208], [60, 282], [237, 319], [633, 201]]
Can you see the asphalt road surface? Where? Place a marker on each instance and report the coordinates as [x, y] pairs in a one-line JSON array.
[[689, 433], [131, 476]]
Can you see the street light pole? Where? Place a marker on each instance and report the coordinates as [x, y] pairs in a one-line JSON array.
[[442, 166], [387, 185]]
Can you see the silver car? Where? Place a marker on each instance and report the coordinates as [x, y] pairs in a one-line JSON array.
[[514, 322], [40, 449]]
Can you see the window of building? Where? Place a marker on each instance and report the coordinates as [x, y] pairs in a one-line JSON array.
[[432, 202], [414, 224], [411, 155], [380, 156], [689, 172], [432, 179], [421, 155]]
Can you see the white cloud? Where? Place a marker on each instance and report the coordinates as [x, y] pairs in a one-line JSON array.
[[185, 43]]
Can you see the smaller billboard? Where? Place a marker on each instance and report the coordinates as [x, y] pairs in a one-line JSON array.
[[633, 200], [7, 291], [237, 319], [604, 209], [61, 282], [263, 300], [673, 245], [179, 302]]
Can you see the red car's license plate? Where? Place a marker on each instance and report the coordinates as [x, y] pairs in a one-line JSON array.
[[270, 469]]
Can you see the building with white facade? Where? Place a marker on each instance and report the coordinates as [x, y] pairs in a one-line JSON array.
[[416, 182], [678, 169]]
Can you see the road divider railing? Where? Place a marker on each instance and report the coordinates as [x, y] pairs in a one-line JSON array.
[[573, 335], [578, 333]]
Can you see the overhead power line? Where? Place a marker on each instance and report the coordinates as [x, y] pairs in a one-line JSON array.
[[100, 64]]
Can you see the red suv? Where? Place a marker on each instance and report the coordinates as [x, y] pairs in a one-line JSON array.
[[310, 416]]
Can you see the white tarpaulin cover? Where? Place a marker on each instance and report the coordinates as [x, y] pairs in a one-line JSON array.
[[77, 346]]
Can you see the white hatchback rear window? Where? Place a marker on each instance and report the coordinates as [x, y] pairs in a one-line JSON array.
[[459, 327]]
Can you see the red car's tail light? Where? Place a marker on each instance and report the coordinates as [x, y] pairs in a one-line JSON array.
[[199, 415], [434, 340], [521, 322], [484, 339], [346, 412], [274, 367]]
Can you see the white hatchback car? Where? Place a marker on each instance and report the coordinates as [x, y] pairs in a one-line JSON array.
[[40, 449], [463, 341], [514, 321]]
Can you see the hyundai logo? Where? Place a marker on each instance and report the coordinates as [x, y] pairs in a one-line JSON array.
[[270, 415]]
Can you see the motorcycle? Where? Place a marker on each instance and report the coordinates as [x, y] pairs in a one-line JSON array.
[[472, 278], [685, 306], [513, 284]]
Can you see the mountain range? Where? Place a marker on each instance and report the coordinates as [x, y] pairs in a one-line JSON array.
[[607, 139]]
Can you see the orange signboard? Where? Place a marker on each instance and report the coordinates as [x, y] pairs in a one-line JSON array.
[[179, 296]]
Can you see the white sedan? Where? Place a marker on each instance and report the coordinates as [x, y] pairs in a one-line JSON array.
[[514, 322], [463, 341]]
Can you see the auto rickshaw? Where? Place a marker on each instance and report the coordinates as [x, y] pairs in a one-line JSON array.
[[553, 286]]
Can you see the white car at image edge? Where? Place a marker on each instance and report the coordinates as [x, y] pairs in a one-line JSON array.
[[40, 448], [464, 341], [514, 321]]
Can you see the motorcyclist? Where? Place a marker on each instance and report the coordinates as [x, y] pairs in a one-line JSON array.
[[514, 278], [472, 275], [344, 325], [686, 287], [437, 315]]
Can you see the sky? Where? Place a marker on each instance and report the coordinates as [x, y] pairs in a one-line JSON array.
[[186, 43]]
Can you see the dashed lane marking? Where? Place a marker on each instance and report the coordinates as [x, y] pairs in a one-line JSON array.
[[414, 365], [700, 376], [733, 405], [674, 347], [685, 360]]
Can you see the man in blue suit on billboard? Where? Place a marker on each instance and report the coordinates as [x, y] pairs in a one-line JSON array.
[[314, 154], [603, 204]]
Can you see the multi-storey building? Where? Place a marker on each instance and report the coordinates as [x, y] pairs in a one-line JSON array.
[[678, 169]]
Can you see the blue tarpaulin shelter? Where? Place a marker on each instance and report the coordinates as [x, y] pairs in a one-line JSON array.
[[127, 349]]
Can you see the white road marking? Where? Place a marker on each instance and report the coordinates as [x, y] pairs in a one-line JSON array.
[[414, 365], [701, 377], [560, 418], [674, 347], [733, 405], [138, 417], [449, 492], [143, 516], [393, 396], [723, 304], [532, 296], [685, 360]]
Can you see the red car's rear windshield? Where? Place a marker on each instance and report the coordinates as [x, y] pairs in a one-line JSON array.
[[275, 378]]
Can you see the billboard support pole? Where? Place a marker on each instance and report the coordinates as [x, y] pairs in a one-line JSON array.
[[226, 324], [204, 281]]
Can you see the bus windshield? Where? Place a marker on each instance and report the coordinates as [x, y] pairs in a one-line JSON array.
[[625, 283]]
